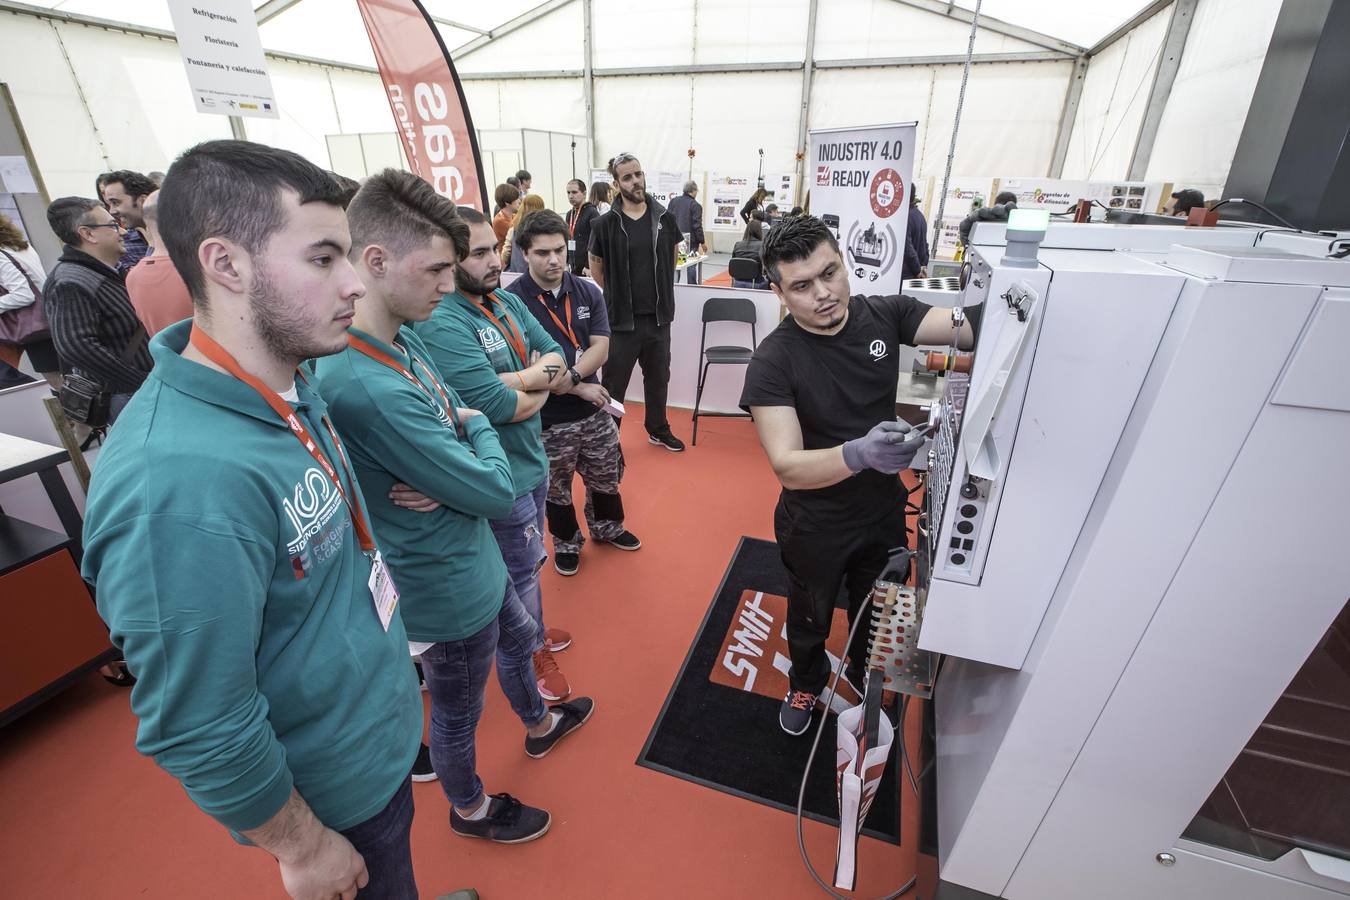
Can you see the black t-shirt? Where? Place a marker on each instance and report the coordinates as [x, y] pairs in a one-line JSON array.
[[580, 306], [841, 385], [641, 262]]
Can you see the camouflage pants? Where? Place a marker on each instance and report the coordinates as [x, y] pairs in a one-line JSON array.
[[589, 448]]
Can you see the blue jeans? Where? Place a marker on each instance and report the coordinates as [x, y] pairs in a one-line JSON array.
[[382, 841], [457, 673], [521, 537]]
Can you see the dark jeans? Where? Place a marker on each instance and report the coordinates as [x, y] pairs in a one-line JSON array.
[[382, 841], [817, 563], [457, 673], [648, 344], [521, 539]]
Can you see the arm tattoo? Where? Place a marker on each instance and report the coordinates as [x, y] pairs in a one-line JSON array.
[[552, 372]]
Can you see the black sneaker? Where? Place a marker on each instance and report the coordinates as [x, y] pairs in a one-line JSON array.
[[668, 440], [508, 822], [795, 713], [422, 770], [626, 541], [574, 715], [567, 563]]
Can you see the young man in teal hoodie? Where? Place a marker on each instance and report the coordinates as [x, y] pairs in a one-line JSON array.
[[404, 427], [502, 362], [231, 546]]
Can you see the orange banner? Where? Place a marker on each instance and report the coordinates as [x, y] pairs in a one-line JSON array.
[[426, 98]]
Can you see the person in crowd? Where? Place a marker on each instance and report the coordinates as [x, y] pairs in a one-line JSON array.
[[755, 202], [404, 426], [579, 218], [833, 442], [508, 204], [272, 663], [688, 215], [916, 242], [21, 280], [523, 181], [99, 182], [772, 216], [503, 363], [579, 437], [94, 326], [1182, 202], [513, 259], [632, 256], [157, 178], [1004, 203], [601, 192], [795, 211], [124, 192], [749, 247], [157, 291]]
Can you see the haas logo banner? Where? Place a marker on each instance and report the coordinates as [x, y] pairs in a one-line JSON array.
[[754, 652]]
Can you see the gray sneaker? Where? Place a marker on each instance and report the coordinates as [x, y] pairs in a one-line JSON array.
[[795, 713], [508, 821]]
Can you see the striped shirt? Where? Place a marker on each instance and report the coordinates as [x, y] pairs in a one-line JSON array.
[[93, 322]]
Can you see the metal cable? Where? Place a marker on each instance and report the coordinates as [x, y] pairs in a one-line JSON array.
[[956, 125]]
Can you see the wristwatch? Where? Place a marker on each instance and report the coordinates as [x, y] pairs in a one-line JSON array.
[[576, 376]]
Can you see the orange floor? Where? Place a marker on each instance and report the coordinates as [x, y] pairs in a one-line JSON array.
[[82, 815]]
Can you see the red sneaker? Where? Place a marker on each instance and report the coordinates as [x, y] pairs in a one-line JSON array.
[[556, 640], [552, 683]]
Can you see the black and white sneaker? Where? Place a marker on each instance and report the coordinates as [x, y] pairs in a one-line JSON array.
[[567, 563], [574, 714], [668, 440], [422, 770], [626, 541], [508, 821], [795, 714]]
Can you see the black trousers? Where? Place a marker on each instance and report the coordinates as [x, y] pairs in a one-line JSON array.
[[648, 345], [817, 564]]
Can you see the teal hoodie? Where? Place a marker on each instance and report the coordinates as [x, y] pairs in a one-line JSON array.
[[446, 564], [228, 572], [470, 352]]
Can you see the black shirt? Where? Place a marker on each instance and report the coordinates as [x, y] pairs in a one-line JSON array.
[[641, 262], [841, 385], [580, 306]]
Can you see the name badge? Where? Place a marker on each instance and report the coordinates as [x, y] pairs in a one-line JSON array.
[[571, 246], [382, 591]]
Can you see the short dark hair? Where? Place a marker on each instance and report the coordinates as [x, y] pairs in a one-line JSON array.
[[772, 207], [579, 183], [472, 217], [796, 237], [1005, 197], [523, 175], [134, 183], [402, 212], [232, 189], [349, 187], [539, 224], [67, 214], [1188, 199], [506, 193]]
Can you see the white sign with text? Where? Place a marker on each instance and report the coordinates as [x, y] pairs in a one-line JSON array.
[[223, 56]]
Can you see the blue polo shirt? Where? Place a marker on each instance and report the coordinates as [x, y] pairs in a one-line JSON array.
[[588, 317]]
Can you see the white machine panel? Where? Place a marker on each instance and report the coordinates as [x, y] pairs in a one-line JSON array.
[[1063, 235]]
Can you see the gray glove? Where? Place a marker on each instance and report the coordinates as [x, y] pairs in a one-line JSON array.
[[884, 448]]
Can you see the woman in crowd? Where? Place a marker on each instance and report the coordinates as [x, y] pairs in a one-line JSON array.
[[600, 196], [513, 258], [21, 280], [754, 204], [748, 247]]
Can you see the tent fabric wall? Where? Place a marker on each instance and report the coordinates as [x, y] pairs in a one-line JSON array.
[[1115, 93], [859, 29], [1207, 107]]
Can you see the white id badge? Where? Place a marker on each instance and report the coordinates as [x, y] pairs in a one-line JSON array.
[[382, 591], [571, 246]]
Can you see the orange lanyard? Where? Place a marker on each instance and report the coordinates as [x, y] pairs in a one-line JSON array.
[[221, 357], [567, 311], [365, 347], [572, 223], [513, 338]]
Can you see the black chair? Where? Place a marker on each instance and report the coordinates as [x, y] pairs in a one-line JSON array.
[[747, 270], [724, 309]]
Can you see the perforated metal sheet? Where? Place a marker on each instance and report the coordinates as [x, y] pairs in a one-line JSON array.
[[897, 615]]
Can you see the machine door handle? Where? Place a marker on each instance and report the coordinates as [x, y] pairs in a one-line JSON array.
[[1327, 866]]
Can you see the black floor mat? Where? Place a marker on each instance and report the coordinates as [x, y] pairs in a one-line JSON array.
[[725, 736]]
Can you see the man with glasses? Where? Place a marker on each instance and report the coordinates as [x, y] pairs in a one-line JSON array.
[[94, 325]]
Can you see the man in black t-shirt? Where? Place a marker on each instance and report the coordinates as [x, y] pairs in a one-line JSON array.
[[822, 389], [632, 258]]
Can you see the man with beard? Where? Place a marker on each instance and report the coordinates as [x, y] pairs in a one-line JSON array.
[[821, 388], [231, 547], [632, 253], [496, 356]]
